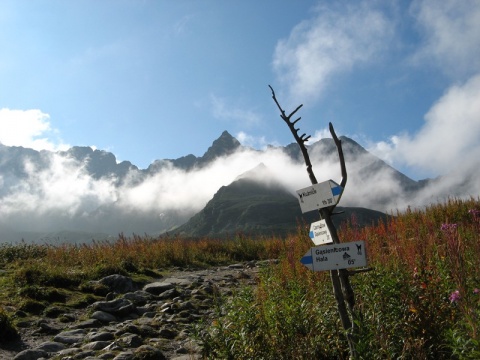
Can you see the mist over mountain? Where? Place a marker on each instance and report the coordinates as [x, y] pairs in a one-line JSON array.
[[87, 191], [257, 204]]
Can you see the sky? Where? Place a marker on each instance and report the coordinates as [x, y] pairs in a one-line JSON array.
[[159, 79]]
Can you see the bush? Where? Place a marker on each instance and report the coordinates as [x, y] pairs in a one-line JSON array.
[[281, 319], [32, 306], [40, 273], [8, 332], [42, 293]]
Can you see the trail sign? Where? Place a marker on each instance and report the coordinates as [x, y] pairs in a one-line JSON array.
[[336, 256], [319, 233], [319, 196]]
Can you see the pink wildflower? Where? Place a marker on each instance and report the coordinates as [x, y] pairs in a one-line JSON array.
[[455, 296], [448, 227], [475, 213]]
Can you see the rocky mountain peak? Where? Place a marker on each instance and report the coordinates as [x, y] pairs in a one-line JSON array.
[[226, 144], [78, 152]]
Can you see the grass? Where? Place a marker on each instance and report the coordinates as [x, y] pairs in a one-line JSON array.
[[421, 300], [35, 277]]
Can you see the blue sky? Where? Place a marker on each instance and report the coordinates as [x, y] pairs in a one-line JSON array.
[[161, 79]]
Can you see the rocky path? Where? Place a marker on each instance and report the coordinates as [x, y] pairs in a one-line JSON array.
[[154, 321]]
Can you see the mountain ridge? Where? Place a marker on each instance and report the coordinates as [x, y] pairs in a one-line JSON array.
[[103, 165]]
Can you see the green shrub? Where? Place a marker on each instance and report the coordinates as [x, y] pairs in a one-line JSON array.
[[280, 319], [103, 270], [11, 253], [32, 306], [42, 294], [8, 332], [55, 311], [95, 288], [40, 273]]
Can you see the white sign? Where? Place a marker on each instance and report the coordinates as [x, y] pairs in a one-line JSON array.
[[336, 256], [318, 196], [319, 233]]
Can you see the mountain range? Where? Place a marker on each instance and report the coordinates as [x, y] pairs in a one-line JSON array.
[[83, 193]]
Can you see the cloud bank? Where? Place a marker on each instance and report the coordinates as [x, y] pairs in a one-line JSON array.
[[28, 128], [449, 137], [58, 193], [62, 195]]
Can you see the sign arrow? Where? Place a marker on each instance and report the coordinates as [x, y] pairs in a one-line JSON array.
[[318, 196], [336, 256], [319, 233]]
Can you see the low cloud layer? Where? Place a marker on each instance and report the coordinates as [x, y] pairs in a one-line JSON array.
[[449, 137], [63, 196]]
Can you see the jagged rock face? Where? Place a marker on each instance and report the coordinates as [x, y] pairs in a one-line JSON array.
[[13, 160], [99, 163], [225, 145]]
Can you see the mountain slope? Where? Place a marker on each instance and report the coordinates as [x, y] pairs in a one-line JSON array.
[[252, 207]]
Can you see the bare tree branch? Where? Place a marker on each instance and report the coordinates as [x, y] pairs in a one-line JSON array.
[[343, 168], [301, 140]]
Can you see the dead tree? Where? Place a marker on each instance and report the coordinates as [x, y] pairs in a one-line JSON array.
[[340, 278]]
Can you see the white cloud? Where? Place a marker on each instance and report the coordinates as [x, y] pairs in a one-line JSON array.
[[451, 35], [179, 190], [229, 111], [449, 137], [335, 41], [27, 128], [63, 186], [256, 142], [319, 135]]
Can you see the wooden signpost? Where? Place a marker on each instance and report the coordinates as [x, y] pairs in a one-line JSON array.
[[324, 197]]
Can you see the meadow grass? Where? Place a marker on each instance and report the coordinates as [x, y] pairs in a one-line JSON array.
[[421, 300], [30, 272]]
